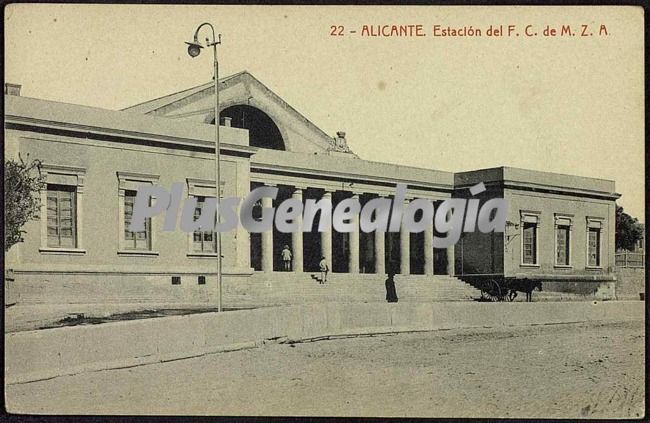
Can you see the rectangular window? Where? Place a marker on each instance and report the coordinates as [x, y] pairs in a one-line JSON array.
[[594, 247], [562, 245], [529, 243], [135, 240], [203, 242], [61, 216]]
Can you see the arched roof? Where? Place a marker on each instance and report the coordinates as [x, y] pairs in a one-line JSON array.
[[196, 104]]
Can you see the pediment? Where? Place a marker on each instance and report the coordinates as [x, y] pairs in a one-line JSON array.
[[251, 105]]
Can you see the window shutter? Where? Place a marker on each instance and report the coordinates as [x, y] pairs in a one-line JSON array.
[[135, 240], [52, 219]]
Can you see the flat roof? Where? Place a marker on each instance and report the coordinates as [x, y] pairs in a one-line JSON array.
[[46, 113], [340, 165], [58, 115], [533, 178]]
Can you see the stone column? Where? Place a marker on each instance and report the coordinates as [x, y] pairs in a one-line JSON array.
[[405, 248], [428, 249], [451, 260], [380, 252], [296, 237], [353, 258], [267, 241], [326, 238]]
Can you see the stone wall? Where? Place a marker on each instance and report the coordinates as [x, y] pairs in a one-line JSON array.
[[114, 288], [597, 289], [630, 283]]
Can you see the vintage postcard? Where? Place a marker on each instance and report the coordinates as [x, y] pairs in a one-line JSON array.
[[347, 211]]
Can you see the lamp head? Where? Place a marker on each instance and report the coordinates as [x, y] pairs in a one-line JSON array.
[[194, 47]]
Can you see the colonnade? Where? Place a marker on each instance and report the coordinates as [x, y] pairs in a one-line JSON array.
[[353, 257]]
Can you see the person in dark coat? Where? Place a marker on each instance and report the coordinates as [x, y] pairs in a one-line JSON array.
[[391, 292]]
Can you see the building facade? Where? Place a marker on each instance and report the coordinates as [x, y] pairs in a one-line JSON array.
[[560, 228]]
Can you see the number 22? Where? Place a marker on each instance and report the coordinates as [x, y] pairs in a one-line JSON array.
[[336, 30]]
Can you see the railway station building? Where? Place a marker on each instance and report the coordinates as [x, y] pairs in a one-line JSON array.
[[560, 228]]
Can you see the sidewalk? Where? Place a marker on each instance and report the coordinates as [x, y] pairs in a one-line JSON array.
[[20, 318]]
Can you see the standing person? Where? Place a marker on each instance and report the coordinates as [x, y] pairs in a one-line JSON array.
[[391, 292], [323, 270], [286, 258]]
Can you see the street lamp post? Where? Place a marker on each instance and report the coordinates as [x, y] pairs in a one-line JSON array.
[[194, 49]]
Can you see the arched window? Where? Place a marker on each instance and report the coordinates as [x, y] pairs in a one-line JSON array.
[[262, 130]]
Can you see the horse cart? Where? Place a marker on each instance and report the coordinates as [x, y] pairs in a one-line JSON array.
[[493, 289]]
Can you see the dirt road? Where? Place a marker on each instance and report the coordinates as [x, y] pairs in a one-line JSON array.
[[572, 370]]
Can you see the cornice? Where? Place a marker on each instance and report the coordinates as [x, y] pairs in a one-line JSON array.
[[345, 176], [544, 188], [26, 123]]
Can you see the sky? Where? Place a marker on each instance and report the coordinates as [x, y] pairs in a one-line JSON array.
[[565, 104]]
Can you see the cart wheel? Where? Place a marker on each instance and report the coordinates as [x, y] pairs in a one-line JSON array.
[[493, 291]]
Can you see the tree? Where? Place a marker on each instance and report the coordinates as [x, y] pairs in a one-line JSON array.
[[23, 181], [628, 230]]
